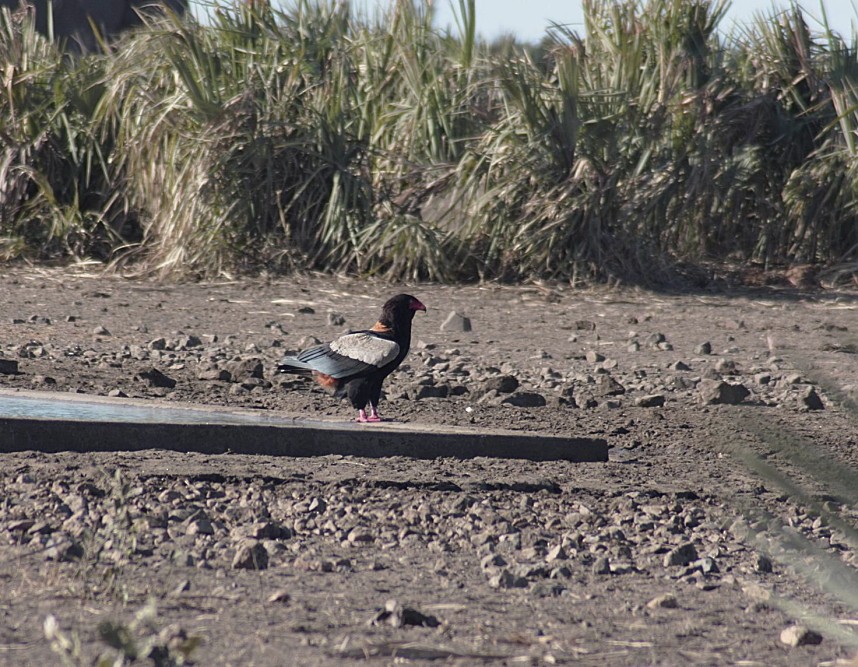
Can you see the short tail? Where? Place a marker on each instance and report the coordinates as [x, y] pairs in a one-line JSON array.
[[298, 367]]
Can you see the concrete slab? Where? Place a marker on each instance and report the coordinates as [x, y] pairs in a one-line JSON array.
[[53, 422]]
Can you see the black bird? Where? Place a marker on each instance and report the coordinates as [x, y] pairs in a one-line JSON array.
[[356, 363]]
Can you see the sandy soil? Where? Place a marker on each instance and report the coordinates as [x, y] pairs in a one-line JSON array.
[[687, 547]]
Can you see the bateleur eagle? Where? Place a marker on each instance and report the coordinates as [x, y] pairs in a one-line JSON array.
[[356, 363]]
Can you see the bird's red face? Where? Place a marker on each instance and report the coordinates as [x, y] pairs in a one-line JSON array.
[[416, 305]]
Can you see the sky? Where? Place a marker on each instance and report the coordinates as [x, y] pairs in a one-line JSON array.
[[528, 19]]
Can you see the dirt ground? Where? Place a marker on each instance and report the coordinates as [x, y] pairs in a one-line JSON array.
[[723, 517]]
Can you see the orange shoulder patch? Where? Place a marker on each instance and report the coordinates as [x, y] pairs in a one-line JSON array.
[[325, 381], [378, 327]]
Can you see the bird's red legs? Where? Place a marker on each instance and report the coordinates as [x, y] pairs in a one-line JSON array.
[[373, 415]]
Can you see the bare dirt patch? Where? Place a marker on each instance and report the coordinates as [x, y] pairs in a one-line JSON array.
[[680, 550]]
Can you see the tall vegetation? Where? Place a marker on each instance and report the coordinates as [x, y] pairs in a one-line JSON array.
[[318, 137]]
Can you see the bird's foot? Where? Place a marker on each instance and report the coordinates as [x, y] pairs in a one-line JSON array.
[[363, 418]]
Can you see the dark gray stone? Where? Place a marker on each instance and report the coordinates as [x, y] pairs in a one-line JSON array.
[[718, 392], [798, 635], [608, 386], [502, 384], [456, 322], [525, 399], [156, 378], [8, 367], [432, 391], [651, 401], [811, 400], [246, 368], [250, 555], [684, 554]]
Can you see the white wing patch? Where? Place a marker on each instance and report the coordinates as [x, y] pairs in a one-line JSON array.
[[366, 348]]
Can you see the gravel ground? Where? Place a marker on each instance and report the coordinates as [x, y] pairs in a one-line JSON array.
[[722, 531]]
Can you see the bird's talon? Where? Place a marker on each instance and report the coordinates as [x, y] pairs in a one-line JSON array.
[[373, 418]]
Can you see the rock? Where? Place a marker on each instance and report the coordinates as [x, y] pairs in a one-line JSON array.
[[798, 635], [156, 378], [317, 505], [20, 525], [62, 548], [397, 616], [182, 587], [608, 386], [525, 399], [210, 372], [188, 342], [810, 400], [705, 565], [241, 369], [681, 555], [547, 590], [763, 564], [456, 322], [726, 366], [308, 341], [718, 392], [655, 340], [650, 401], [117, 393], [8, 367], [680, 366], [307, 564], [665, 601], [502, 384], [492, 562], [200, 526], [250, 555], [432, 391], [360, 536], [602, 566], [506, 579], [100, 331], [556, 553], [594, 357], [158, 344], [757, 593], [266, 530], [703, 348], [335, 319], [306, 310], [279, 596], [585, 325]]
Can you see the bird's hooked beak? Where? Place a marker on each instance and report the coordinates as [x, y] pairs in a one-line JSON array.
[[416, 305]]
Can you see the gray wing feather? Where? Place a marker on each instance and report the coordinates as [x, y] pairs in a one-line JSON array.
[[351, 354]]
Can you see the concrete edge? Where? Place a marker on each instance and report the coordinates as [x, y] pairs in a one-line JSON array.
[[272, 433]]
